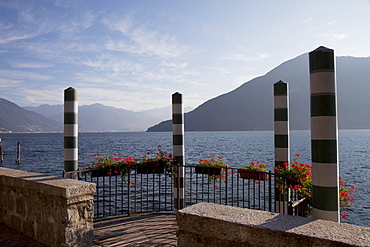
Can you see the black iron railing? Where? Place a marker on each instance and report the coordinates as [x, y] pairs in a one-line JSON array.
[[228, 188], [147, 191]]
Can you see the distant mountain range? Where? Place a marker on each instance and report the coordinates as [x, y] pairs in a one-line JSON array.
[[250, 106], [98, 117], [14, 118], [92, 118]]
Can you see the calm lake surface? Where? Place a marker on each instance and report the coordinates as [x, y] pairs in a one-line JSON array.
[[43, 153]]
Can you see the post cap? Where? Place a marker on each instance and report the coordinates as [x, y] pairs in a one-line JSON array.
[[322, 49], [281, 81]]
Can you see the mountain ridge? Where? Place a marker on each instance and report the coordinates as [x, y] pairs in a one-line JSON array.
[[250, 106], [14, 118], [99, 117]]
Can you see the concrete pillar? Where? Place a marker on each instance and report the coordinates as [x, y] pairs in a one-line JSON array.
[[324, 132], [178, 150], [281, 140], [70, 130]]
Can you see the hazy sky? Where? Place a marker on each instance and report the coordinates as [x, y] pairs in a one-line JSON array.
[[135, 54]]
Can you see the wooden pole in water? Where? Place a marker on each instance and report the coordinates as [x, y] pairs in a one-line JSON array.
[[324, 133], [18, 160], [1, 151]]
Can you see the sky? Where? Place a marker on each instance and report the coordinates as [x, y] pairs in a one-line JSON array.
[[134, 54]]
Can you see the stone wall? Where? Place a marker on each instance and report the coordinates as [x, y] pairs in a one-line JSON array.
[[207, 224], [52, 210]]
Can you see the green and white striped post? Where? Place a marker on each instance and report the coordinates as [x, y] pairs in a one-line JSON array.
[[178, 150], [324, 132], [281, 138], [70, 130]]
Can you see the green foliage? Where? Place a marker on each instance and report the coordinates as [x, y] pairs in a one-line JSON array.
[[256, 166], [299, 177]]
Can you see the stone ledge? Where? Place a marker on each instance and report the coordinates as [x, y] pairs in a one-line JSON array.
[[207, 224], [50, 185], [52, 210]]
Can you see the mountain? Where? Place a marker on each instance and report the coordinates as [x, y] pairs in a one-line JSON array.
[[98, 117], [14, 118], [164, 113], [55, 112], [250, 106]]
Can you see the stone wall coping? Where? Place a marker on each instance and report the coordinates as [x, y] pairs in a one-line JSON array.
[[342, 233], [50, 185]]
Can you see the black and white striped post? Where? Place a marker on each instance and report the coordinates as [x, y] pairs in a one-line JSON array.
[[178, 150], [281, 139], [324, 132], [70, 130]]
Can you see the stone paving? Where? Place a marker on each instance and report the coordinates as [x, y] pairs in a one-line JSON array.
[[137, 230], [12, 238]]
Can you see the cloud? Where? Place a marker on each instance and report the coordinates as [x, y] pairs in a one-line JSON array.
[[331, 36], [28, 94], [8, 83], [309, 21], [23, 75], [220, 70], [76, 24], [140, 41], [39, 96], [8, 38], [118, 66], [31, 65], [32, 19], [120, 99], [124, 25], [148, 44], [246, 57], [121, 71]]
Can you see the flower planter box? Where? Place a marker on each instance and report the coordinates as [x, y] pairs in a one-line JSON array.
[[149, 169], [208, 170], [102, 173], [255, 175]]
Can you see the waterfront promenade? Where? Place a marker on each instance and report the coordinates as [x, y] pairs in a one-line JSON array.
[[135, 230]]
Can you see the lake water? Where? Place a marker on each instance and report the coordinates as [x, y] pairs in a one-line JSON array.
[[43, 153]]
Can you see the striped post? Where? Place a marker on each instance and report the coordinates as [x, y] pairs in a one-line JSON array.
[[70, 130], [324, 132], [178, 150], [281, 138]]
